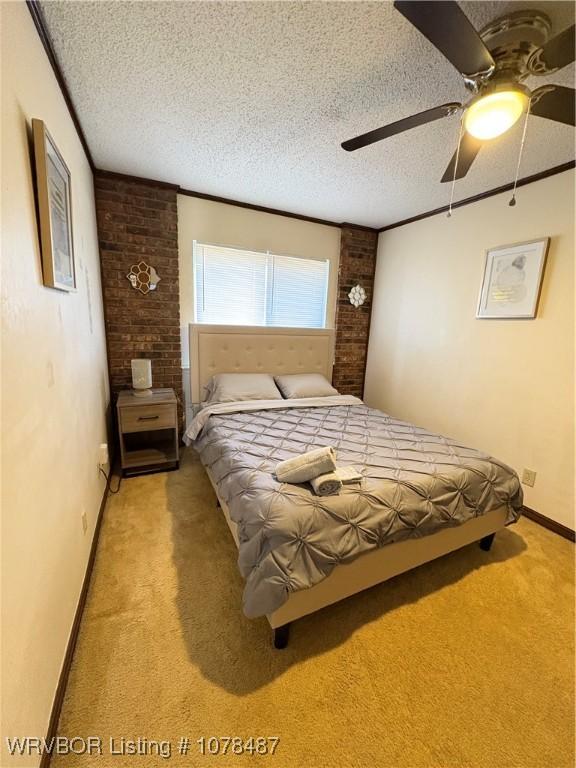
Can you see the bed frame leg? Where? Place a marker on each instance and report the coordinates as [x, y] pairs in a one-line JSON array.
[[486, 542], [281, 635]]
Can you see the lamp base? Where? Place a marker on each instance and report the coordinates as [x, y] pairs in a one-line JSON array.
[[142, 392]]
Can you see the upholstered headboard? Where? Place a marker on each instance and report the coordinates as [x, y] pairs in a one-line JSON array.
[[249, 349]]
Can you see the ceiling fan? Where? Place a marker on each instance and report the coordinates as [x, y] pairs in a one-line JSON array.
[[493, 63]]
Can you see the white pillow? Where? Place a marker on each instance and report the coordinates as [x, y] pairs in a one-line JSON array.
[[232, 387], [304, 385]]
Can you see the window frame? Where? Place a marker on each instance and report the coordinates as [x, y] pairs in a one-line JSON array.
[[268, 294]]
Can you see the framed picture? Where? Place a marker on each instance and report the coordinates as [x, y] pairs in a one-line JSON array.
[[55, 211], [513, 280]]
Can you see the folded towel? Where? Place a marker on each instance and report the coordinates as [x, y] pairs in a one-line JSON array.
[[348, 475], [326, 485], [302, 468]]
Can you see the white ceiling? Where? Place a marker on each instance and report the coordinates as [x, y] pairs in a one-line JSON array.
[[251, 100]]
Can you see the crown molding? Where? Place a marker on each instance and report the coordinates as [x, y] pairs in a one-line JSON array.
[[129, 179], [483, 195], [261, 208], [40, 24], [38, 17]]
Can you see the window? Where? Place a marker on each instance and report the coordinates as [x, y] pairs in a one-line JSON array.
[[237, 287]]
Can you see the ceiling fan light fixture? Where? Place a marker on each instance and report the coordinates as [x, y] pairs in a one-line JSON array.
[[492, 115]]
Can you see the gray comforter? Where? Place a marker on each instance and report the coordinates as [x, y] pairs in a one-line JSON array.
[[414, 483]]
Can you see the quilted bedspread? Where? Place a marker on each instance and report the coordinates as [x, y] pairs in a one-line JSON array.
[[414, 483]]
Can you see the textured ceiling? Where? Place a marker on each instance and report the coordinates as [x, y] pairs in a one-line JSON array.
[[250, 101]]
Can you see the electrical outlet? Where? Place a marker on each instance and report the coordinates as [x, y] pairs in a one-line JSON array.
[[103, 455], [84, 521], [529, 477]]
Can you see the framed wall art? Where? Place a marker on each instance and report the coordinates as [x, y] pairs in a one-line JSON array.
[[513, 280], [54, 210]]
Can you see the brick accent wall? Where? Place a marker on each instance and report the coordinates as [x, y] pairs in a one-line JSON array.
[[357, 264], [138, 221]]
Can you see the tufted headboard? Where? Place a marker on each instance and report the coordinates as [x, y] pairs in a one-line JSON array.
[[253, 349]]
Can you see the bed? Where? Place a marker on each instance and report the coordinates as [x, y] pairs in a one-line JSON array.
[[421, 496]]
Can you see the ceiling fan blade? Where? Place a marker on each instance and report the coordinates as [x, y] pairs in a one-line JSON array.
[[554, 102], [428, 116], [469, 148], [448, 28], [557, 53]]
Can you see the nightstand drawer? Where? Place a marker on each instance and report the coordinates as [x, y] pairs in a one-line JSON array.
[[139, 418]]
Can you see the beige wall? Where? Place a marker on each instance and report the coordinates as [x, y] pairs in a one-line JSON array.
[[211, 222], [54, 395], [505, 386]]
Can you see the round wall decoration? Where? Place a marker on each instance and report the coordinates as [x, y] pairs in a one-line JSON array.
[[143, 277], [357, 296]]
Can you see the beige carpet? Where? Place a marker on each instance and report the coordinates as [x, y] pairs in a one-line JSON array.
[[464, 662]]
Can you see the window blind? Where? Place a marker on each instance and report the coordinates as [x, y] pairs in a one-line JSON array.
[[239, 287]]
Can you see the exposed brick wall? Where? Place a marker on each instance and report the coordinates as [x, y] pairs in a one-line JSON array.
[[357, 264], [139, 221]]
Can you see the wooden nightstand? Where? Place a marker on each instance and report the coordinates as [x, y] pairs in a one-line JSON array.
[[148, 431]]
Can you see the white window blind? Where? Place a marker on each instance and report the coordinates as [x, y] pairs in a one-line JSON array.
[[238, 287]]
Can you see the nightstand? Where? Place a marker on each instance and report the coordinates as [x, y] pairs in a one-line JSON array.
[[148, 431]]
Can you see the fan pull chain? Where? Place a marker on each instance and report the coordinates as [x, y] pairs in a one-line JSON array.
[[456, 165], [512, 202]]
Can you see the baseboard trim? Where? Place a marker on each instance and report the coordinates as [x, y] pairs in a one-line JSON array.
[[70, 648], [552, 525]]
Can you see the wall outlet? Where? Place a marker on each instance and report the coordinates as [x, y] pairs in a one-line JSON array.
[[103, 455], [84, 521], [528, 477]]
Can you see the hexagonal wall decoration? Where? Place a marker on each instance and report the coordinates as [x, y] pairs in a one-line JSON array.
[[357, 296], [143, 277]]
